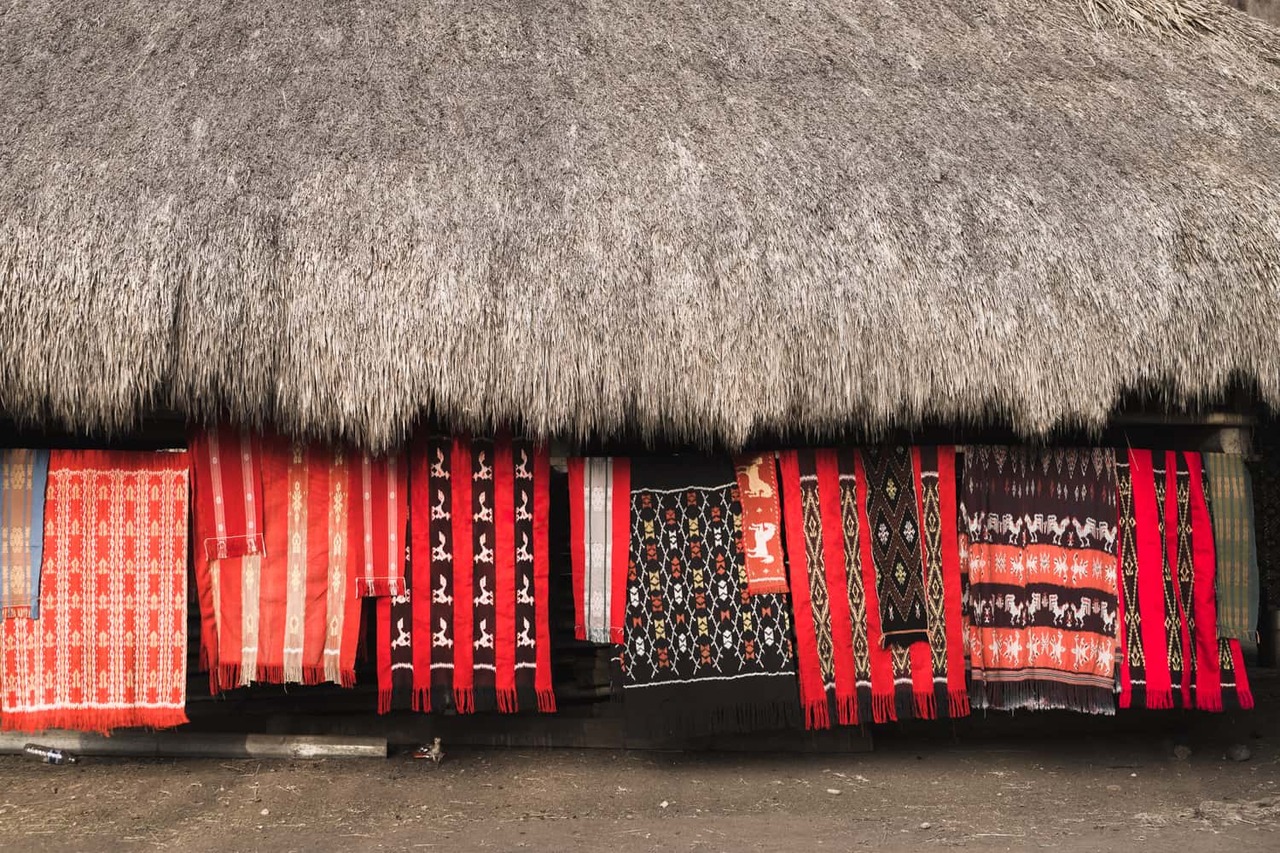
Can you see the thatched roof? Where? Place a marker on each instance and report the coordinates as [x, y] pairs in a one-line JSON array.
[[694, 219]]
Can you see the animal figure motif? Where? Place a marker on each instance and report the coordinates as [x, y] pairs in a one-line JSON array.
[[762, 532], [1085, 530], [524, 596], [485, 472], [440, 511], [486, 512], [756, 487], [485, 640], [440, 552], [440, 639], [525, 641], [485, 554], [522, 511], [522, 469], [486, 594], [403, 640], [523, 554], [1057, 527], [440, 595], [437, 467]]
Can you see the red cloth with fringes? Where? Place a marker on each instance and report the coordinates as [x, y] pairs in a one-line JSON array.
[[287, 612], [847, 675], [474, 632], [110, 647]]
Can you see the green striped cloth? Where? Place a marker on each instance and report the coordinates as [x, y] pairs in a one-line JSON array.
[[1231, 504]]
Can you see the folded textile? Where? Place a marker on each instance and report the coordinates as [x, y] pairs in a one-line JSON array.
[[473, 631], [702, 655], [110, 647], [761, 523], [1039, 536], [384, 511], [600, 533], [1231, 508], [893, 510], [226, 468], [23, 474], [846, 673], [1171, 655], [283, 608]]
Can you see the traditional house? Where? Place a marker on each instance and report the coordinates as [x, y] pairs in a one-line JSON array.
[[699, 224]]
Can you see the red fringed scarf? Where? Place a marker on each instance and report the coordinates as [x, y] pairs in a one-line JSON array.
[[110, 647], [845, 671], [599, 538], [479, 569], [1171, 655], [282, 604]]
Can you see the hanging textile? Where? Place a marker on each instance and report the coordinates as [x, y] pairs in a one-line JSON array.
[[286, 611], [1039, 536], [761, 523], [384, 511], [23, 474], [893, 511], [846, 673], [227, 491], [1171, 655], [110, 647], [702, 655], [600, 534], [479, 569], [1231, 507]]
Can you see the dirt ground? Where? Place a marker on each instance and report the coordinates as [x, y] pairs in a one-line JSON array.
[[1108, 793]]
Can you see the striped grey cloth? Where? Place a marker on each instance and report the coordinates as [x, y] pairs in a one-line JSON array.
[[1231, 505], [598, 592]]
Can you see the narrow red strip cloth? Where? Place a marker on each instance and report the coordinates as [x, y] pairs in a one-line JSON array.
[[478, 570], [599, 537], [286, 611], [227, 484], [846, 674], [110, 647], [1171, 655], [384, 511], [761, 523]]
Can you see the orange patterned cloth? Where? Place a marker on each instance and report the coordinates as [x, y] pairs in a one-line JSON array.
[[761, 523], [110, 647]]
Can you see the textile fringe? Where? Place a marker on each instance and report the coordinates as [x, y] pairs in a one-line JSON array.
[[1159, 700], [507, 702], [547, 701], [101, 721], [701, 721], [882, 708], [926, 706], [817, 715], [464, 699], [15, 611], [958, 702], [1244, 697], [772, 587], [379, 587], [384, 701], [847, 710], [1208, 702], [1045, 696], [421, 700]]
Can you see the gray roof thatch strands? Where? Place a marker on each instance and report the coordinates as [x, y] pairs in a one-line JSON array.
[[691, 219]]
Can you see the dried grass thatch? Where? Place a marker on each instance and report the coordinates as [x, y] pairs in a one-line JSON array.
[[690, 219]]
